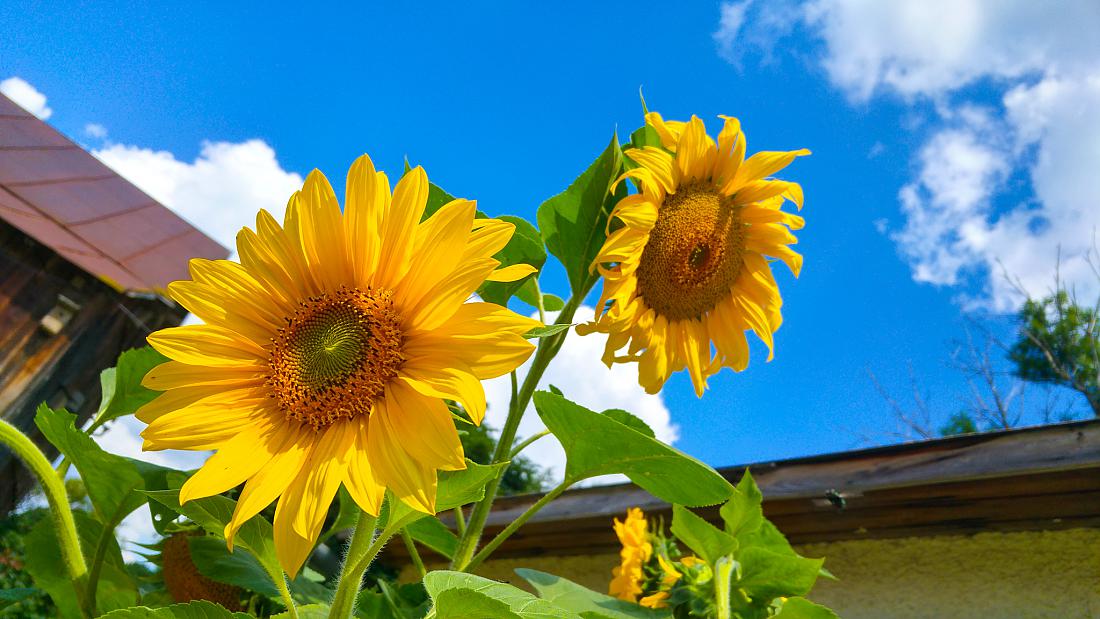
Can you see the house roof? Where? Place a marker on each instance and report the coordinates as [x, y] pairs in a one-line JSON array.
[[1038, 478], [63, 197]]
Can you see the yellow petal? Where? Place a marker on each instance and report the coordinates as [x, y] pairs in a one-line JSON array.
[[367, 197], [511, 273], [271, 480], [410, 197], [447, 379], [325, 468], [360, 479], [423, 426], [438, 240], [321, 231], [207, 345], [659, 163], [444, 299], [237, 460], [173, 375], [410, 481], [291, 548], [766, 163]]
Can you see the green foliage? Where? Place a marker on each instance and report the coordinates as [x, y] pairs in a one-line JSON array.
[[1059, 343], [801, 608], [13, 575], [546, 331], [435, 535], [391, 601], [459, 595], [959, 423], [115, 589], [112, 482], [573, 223], [572, 597], [525, 247], [121, 385], [521, 477], [667, 473], [704, 539], [191, 610]]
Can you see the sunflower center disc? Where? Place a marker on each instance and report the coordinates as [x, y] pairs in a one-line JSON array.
[[694, 253], [335, 355]]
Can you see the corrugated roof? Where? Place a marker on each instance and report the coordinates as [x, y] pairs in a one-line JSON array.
[[63, 197]]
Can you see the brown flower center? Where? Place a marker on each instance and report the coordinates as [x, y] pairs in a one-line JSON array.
[[694, 253], [335, 355]]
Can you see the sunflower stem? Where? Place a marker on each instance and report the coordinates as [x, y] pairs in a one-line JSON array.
[[460, 521], [525, 442], [538, 299], [517, 523], [410, 545], [60, 511], [548, 347], [351, 577], [284, 593]]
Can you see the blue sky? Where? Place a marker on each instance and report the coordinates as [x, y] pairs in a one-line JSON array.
[[938, 153]]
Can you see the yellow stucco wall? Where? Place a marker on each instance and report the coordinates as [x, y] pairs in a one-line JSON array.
[[1028, 575]]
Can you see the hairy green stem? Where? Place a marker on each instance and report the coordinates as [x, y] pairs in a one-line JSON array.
[[723, 574], [64, 525], [104, 541], [517, 523], [284, 592], [410, 545], [351, 578], [547, 348], [460, 521]]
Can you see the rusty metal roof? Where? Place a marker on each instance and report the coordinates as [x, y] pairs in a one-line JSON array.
[[63, 197]]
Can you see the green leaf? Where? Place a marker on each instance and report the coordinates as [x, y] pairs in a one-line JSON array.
[[743, 513], [546, 331], [242, 569], [457, 488], [529, 295], [115, 589], [573, 597], [629, 420], [525, 247], [123, 392], [435, 535], [191, 610], [573, 223], [214, 513], [9, 597], [766, 574], [665, 472], [346, 516], [111, 481], [474, 596], [801, 608], [644, 136], [706, 540]]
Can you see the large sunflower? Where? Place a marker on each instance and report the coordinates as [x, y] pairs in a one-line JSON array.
[[686, 267], [327, 352]]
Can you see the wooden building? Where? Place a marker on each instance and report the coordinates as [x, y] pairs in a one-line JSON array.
[[1001, 524], [84, 258]]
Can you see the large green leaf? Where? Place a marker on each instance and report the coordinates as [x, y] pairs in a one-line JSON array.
[[587, 603], [573, 223], [766, 574], [123, 392], [435, 535], [115, 588], [111, 481], [528, 293], [665, 472], [704, 539], [464, 595], [525, 247], [743, 514], [191, 610], [801, 608], [454, 489]]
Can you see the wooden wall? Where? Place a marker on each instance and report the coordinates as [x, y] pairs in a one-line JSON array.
[[60, 369]]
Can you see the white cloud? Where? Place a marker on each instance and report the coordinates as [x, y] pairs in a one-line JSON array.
[[17, 89], [584, 379], [729, 25], [219, 192], [965, 222], [95, 130], [930, 47]]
